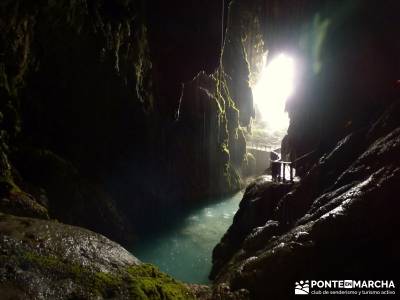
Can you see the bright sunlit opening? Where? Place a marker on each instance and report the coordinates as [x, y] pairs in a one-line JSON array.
[[275, 85]]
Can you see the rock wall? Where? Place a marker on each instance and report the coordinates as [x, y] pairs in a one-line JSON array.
[[349, 74], [90, 92], [210, 143], [339, 221], [213, 110], [73, 75]]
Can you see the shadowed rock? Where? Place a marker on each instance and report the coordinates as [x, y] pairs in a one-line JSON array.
[[49, 260], [325, 228]]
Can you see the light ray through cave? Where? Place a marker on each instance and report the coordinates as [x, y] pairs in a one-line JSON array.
[[273, 88]]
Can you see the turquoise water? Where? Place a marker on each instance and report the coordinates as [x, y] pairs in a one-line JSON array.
[[184, 249]]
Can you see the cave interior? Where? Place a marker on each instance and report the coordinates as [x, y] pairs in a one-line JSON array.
[[198, 149]]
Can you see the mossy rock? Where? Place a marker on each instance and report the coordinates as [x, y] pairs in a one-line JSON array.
[[45, 259], [249, 165], [17, 202]]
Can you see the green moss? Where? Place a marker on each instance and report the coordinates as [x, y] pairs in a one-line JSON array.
[[107, 279], [249, 164], [225, 150], [10, 184], [19, 203], [142, 282], [56, 265], [234, 180], [148, 282], [229, 132]]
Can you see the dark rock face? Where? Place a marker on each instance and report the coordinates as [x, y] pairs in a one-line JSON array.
[[257, 206], [19, 203], [73, 74], [96, 130], [340, 220], [211, 114], [184, 38], [48, 260], [215, 155], [89, 95], [236, 61], [78, 200], [339, 232], [346, 89]]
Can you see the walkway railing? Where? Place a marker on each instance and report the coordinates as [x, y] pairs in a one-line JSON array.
[[259, 146], [278, 169]]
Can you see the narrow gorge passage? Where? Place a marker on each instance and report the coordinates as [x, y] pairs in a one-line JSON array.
[[199, 150], [184, 249]]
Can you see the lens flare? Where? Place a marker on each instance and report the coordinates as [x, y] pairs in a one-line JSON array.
[[275, 85]]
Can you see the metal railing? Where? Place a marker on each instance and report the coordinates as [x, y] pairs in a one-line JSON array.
[[259, 146], [278, 169]]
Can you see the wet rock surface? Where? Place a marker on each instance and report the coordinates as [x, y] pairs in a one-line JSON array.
[[91, 118], [336, 223], [90, 108], [49, 260], [257, 206], [22, 204], [340, 220], [214, 155]]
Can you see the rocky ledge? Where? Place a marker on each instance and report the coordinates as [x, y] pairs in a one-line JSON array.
[[252, 213], [42, 259], [340, 221]]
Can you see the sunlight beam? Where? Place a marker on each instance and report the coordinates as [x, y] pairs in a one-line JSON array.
[[275, 85]]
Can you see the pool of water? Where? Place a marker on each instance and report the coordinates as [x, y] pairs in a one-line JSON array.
[[184, 249]]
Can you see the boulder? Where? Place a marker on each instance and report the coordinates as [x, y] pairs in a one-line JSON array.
[[48, 260]]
